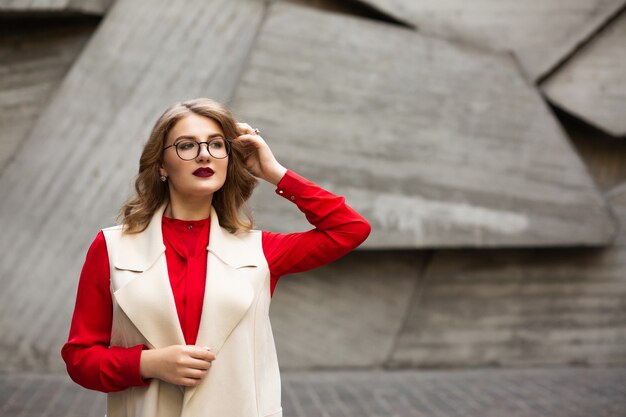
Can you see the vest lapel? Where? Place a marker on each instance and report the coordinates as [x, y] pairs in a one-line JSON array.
[[227, 294], [147, 299]]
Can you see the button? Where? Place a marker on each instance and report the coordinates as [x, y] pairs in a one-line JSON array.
[[280, 191], [190, 227], [292, 198]]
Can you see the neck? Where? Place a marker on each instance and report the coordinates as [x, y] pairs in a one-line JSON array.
[[188, 208]]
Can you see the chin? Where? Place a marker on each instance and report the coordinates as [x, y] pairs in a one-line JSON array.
[[199, 189], [205, 191]]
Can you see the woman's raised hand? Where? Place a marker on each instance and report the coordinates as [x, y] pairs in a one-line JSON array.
[[184, 365], [260, 159]]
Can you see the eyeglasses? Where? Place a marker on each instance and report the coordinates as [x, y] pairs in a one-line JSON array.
[[187, 149]]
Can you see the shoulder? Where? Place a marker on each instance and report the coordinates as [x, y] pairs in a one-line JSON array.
[[112, 229], [98, 247], [111, 235]]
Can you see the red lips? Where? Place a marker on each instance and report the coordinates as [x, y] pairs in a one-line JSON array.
[[203, 172]]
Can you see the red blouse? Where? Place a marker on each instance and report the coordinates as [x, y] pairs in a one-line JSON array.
[[92, 363], [185, 253]]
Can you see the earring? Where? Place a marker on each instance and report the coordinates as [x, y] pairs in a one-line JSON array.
[[163, 178]]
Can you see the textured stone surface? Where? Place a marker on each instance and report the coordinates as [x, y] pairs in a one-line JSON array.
[[617, 198], [77, 165], [592, 84], [55, 6], [567, 392], [34, 62], [469, 153], [518, 308], [345, 314], [603, 154], [444, 147], [540, 32]]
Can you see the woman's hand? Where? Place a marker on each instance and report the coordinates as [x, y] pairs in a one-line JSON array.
[[178, 364], [260, 161]]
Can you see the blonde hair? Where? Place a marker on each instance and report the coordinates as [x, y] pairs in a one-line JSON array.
[[151, 192]]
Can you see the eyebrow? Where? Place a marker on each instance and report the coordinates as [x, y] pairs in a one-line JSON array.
[[213, 135]]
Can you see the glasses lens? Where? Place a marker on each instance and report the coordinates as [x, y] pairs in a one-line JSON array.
[[187, 149], [218, 148]]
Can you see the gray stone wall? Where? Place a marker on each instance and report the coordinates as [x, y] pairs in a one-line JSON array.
[[491, 167]]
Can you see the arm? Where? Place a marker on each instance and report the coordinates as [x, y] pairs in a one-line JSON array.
[[89, 359], [338, 229]]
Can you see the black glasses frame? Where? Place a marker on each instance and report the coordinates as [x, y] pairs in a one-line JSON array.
[[208, 148]]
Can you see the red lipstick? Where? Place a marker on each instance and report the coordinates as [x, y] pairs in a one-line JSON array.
[[203, 172]]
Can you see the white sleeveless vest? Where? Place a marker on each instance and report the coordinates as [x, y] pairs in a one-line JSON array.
[[244, 379]]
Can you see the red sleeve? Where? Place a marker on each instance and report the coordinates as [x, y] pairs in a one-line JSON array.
[[338, 230], [89, 359]]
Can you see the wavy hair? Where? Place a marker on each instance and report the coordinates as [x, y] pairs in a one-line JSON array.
[[229, 201]]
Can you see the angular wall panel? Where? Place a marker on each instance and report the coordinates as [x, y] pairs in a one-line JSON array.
[[540, 32], [78, 164], [518, 308], [34, 62], [592, 84], [436, 144]]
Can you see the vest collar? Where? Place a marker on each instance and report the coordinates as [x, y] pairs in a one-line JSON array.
[[220, 243], [139, 251]]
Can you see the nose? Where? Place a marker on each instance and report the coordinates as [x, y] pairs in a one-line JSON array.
[[203, 152]]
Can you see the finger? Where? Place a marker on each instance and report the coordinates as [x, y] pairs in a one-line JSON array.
[[198, 364], [195, 351], [189, 382], [250, 138], [249, 144], [202, 353], [194, 373], [245, 128]]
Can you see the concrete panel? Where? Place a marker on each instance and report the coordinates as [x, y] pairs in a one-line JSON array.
[[33, 64], [436, 144], [97, 7], [70, 176], [592, 84], [518, 308], [540, 32], [346, 314]]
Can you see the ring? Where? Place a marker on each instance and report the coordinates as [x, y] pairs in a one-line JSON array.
[[256, 131]]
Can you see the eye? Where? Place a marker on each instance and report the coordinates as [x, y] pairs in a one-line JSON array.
[[186, 145], [217, 143]]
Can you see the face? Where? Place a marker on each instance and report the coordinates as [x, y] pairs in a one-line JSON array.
[[191, 179]]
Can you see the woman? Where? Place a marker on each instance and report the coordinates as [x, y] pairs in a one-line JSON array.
[[171, 315]]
